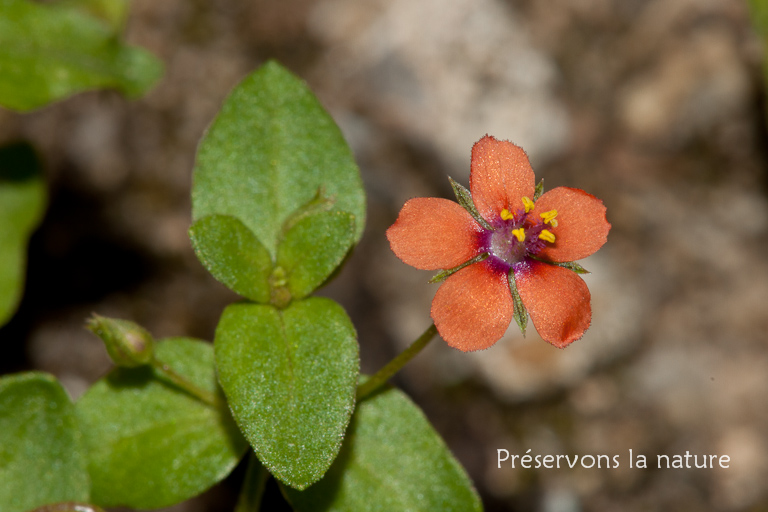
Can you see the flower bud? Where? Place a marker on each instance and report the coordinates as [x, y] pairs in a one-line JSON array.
[[127, 343]]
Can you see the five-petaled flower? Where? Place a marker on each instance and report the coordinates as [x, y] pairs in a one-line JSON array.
[[506, 249]]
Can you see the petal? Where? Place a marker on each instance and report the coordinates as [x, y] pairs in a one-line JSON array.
[[500, 176], [581, 224], [432, 233], [473, 308], [557, 300]]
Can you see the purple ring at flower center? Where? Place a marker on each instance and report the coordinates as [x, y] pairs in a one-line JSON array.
[[504, 249]]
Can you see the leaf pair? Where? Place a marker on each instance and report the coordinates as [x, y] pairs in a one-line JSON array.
[[308, 253], [277, 196], [278, 203]]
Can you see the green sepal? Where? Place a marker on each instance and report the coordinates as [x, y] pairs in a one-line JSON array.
[[127, 343], [464, 197], [538, 190], [444, 274], [519, 312], [570, 265], [233, 255]]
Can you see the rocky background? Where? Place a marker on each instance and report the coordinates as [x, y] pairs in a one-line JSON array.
[[655, 106]]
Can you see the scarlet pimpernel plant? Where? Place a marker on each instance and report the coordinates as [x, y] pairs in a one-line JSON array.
[[505, 250], [277, 205]]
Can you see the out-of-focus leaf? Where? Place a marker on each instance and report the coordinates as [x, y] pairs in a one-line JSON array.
[[313, 248], [22, 202], [50, 51], [233, 255], [113, 12], [268, 152], [41, 458], [759, 13], [69, 506], [392, 459], [150, 443], [290, 377]]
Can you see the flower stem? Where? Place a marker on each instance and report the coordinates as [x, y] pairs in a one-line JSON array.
[[201, 394], [253, 486], [394, 366]]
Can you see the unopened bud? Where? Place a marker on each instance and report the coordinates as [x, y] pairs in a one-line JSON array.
[[127, 343]]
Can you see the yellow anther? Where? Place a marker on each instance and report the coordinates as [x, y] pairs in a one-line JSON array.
[[549, 217], [528, 204], [547, 236], [519, 234], [505, 215]]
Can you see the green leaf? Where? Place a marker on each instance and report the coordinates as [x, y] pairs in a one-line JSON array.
[[267, 153], [464, 197], [50, 51], [233, 255], [392, 459], [290, 377], [41, 458], [538, 190], [151, 444], [313, 248], [22, 202]]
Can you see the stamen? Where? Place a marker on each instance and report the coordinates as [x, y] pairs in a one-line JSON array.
[[549, 217], [519, 234], [547, 236], [528, 204], [505, 215]]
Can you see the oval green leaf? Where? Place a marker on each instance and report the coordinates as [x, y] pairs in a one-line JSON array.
[[290, 377], [150, 443], [50, 51], [312, 249], [41, 458], [233, 255], [22, 202], [392, 459], [268, 152]]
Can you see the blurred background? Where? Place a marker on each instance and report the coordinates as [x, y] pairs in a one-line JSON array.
[[655, 106]]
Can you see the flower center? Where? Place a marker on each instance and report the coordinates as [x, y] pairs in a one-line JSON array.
[[517, 235]]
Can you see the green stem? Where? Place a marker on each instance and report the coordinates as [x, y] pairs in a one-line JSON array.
[[253, 486], [201, 394], [394, 366]]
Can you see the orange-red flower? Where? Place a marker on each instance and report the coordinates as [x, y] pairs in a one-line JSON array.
[[505, 250]]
